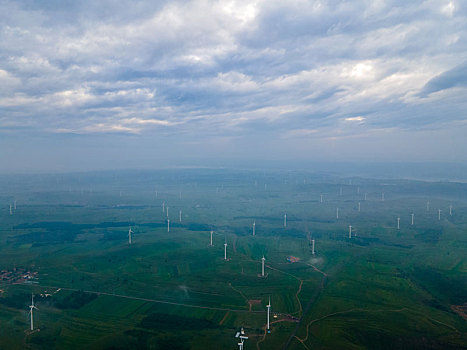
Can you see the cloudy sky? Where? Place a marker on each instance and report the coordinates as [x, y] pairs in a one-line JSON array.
[[124, 84]]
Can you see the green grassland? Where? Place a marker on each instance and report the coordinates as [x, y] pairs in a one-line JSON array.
[[385, 288]]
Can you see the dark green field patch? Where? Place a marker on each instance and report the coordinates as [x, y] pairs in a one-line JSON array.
[[174, 322]]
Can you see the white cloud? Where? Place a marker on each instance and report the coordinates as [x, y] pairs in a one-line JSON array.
[[205, 67]]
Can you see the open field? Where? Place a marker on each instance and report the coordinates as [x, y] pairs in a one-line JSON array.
[[384, 288]]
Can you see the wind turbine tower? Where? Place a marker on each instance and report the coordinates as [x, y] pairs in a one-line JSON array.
[[168, 225], [254, 227], [439, 214], [167, 211], [337, 213], [180, 215], [225, 251], [313, 246], [211, 237], [285, 220], [450, 210], [15, 204], [398, 223], [11, 213], [412, 217], [358, 206], [163, 207], [269, 311], [31, 308], [262, 266], [321, 198], [130, 231], [350, 231]]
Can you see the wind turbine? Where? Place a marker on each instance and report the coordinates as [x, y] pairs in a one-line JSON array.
[[180, 216], [285, 220], [412, 217], [313, 246], [439, 214], [168, 225], [254, 227], [428, 206], [321, 198], [11, 213], [225, 250], [163, 207], [358, 206], [262, 266], [167, 211], [350, 231], [269, 311], [211, 237], [398, 223], [31, 308], [337, 213], [450, 210], [241, 335], [129, 235], [15, 204]]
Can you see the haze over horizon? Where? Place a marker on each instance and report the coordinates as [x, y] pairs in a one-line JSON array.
[[136, 84]]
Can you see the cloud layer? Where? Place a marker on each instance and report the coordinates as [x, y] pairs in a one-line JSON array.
[[206, 75]]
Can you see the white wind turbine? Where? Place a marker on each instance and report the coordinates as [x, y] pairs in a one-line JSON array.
[[241, 335], [269, 310], [262, 266], [31, 308], [254, 227], [130, 231]]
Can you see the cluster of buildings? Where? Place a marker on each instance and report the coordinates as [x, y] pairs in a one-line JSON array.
[[18, 275]]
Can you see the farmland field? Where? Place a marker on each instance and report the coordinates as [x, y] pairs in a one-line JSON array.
[[65, 239]]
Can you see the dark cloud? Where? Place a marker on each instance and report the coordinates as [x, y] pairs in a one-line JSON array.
[[455, 77]]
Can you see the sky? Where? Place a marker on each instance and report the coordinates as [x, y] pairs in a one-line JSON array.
[[89, 85]]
